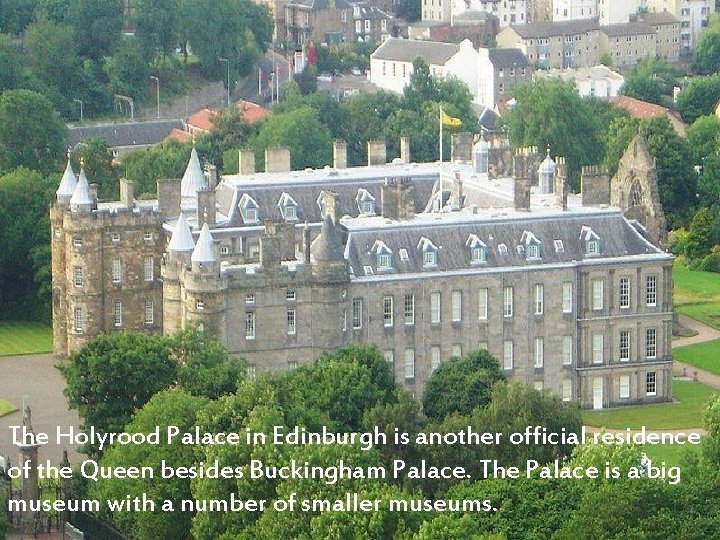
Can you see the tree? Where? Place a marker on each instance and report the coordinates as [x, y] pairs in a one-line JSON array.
[[97, 26], [706, 56], [167, 408], [15, 15], [24, 244], [410, 10], [10, 64], [113, 375], [461, 384], [157, 27], [127, 70], [31, 133], [366, 115], [165, 160], [645, 87], [677, 181], [300, 130], [698, 242], [703, 137], [540, 118], [98, 162], [699, 97], [239, 30], [205, 367]]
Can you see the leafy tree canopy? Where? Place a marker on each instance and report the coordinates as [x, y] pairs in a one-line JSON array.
[[699, 97]]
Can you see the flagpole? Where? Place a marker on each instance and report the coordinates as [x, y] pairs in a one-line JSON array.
[[440, 204]]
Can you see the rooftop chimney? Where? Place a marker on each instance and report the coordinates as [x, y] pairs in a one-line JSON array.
[[377, 153], [277, 159], [339, 155], [246, 161]]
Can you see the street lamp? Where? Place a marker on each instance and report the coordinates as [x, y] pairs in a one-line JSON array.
[[81, 108], [157, 93], [228, 79]]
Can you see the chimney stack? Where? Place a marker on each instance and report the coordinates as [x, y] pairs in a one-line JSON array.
[[461, 146], [377, 153], [127, 193], [340, 155], [561, 186], [277, 159], [522, 182], [405, 149], [246, 161], [594, 185]]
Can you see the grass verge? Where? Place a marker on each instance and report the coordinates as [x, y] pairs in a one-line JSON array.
[[702, 355], [6, 407], [697, 294], [24, 337], [684, 413]]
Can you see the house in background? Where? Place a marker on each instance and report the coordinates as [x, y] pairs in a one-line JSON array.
[[499, 70], [598, 81], [201, 121], [392, 62], [643, 109]]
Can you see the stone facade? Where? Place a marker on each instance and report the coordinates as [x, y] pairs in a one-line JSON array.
[[566, 293]]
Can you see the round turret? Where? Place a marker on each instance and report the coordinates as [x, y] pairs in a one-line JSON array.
[[480, 153], [546, 173]]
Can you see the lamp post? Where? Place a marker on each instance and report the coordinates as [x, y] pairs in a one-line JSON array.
[[81, 107], [228, 79], [157, 92]]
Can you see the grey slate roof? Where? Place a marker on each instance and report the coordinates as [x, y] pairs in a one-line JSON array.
[[627, 29], [407, 50], [618, 238], [306, 195], [658, 17], [507, 58], [548, 29], [125, 134]]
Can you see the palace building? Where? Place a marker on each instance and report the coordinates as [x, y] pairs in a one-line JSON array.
[[569, 291]]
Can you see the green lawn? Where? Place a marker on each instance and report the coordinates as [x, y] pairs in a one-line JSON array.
[[23, 337], [702, 355], [6, 407], [685, 412], [671, 454], [697, 294]]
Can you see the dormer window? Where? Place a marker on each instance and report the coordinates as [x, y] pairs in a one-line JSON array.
[[591, 241], [288, 207], [249, 209], [384, 255], [559, 248], [532, 246], [478, 249], [365, 202], [502, 248], [403, 254], [429, 252]]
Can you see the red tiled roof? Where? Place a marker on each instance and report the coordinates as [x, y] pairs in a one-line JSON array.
[[179, 135], [251, 112], [202, 120], [644, 109]]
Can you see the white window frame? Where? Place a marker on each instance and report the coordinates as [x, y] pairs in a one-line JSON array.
[[78, 277], [435, 308], [434, 357], [567, 350], [567, 297], [250, 298], [483, 304], [409, 309], [539, 353], [389, 355], [508, 301], [115, 237], [78, 321], [147, 236], [388, 317], [598, 291], [508, 354], [384, 261], [77, 241], [651, 343], [357, 313], [651, 290], [290, 295], [624, 300], [598, 348], [249, 325], [624, 346], [290, 318], [650, 383], [567, 389], [429, 258], [456, 350], [148, 269], [624, 386], [116, 271], [539, 298], [409, 363], [117, 313], [199, 305], [149, 311], [456, 305]]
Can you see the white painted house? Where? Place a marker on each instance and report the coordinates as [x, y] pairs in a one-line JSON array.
[[599, 81], [392, 62]]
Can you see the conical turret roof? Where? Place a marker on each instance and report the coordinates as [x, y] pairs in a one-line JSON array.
[[193, 180], [327, 246], [182, 239], [66, 189], [81, 195], [203, 252]]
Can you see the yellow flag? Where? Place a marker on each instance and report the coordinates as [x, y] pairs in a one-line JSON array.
[[449, 120]]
